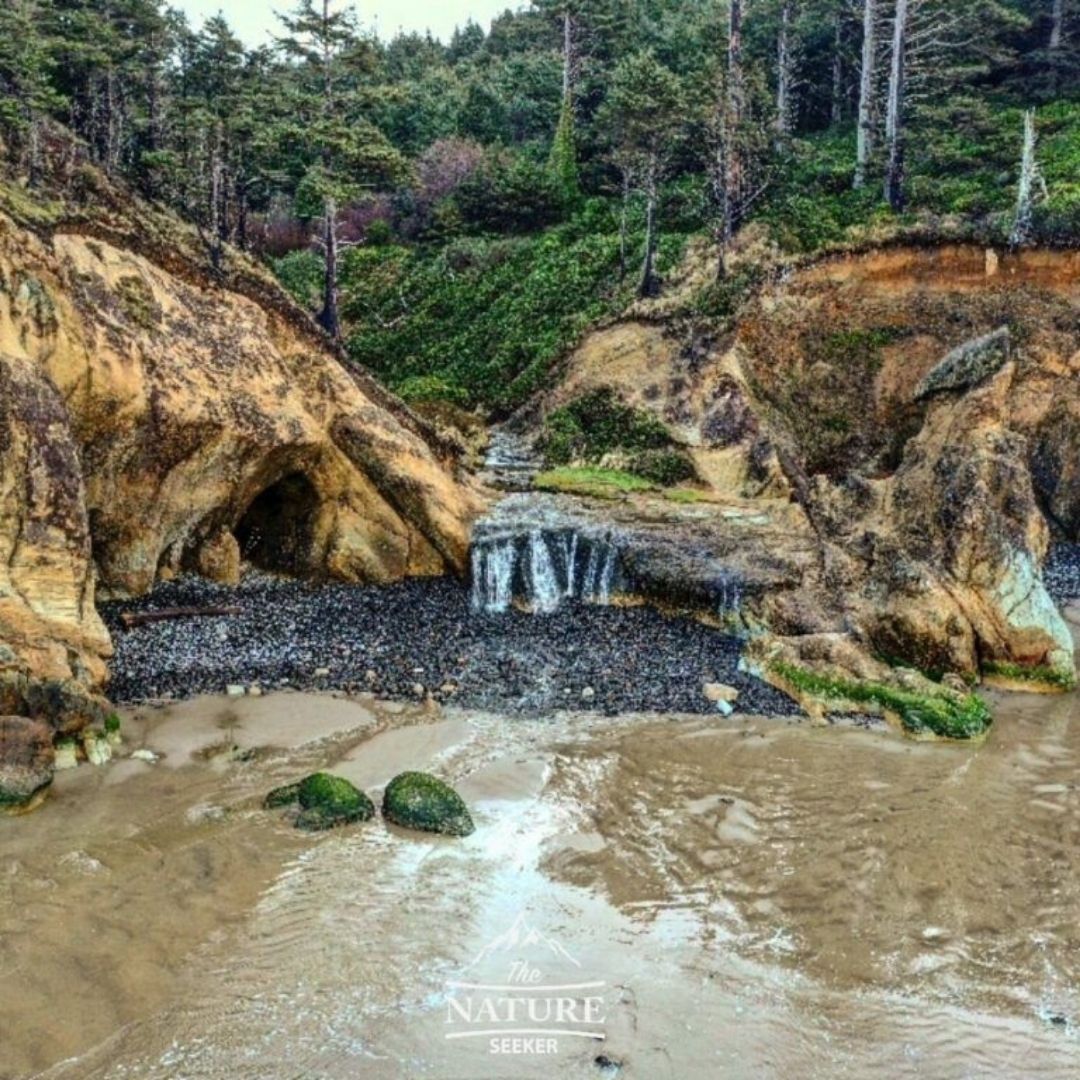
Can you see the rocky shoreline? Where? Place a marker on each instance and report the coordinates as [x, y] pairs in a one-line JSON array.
[[419, 637]]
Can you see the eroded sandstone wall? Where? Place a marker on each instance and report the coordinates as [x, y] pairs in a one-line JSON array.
[[151, 423], [931, 501]]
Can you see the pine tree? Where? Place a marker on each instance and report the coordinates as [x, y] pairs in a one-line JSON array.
[[27, 92], [644, 109], [346, 152], [563, 161]]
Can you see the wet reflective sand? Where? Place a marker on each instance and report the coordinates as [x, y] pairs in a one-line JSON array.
[[758, 899]]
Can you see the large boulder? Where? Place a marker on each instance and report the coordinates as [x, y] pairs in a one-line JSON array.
[[26, 759], [325, 802], [964, 509], [416, 800]]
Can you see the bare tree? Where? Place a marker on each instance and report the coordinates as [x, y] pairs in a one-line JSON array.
[[1057, 24], [836, 114], [894, 108], [785, 76], [925, 34], [568, 53], [867, 82], [1031, 185], [730, 164]]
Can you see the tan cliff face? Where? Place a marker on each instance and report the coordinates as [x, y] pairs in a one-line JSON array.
[[151, 424], [931, 510]]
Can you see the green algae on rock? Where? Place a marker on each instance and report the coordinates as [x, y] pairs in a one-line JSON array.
[[949, 715], [419, 801], [325, 802], [1040, 678], [289, 795]]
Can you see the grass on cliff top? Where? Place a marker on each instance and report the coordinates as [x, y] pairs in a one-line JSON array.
[[949, 717], [593, 482]]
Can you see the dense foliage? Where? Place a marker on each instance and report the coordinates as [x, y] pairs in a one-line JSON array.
[[510, 186]]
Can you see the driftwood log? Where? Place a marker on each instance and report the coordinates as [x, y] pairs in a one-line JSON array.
[[131, 619]]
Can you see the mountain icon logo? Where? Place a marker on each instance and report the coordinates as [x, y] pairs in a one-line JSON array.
[[521, 937]]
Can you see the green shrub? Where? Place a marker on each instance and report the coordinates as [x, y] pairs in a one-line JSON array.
[[597, 424], [667, 468], [489, 318], [511, 193], [428, 388], [301, 272]]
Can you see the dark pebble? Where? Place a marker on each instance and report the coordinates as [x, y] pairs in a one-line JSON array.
[[635, 659], [1062, 573]]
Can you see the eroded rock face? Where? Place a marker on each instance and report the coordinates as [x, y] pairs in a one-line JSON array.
[[53, 645], [26, 759], [152, 423], [930, 451], [963, 508]]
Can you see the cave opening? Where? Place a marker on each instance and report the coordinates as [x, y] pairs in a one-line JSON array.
[[277, 531]]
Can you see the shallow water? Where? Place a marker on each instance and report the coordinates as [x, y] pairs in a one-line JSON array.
[[757, 899]]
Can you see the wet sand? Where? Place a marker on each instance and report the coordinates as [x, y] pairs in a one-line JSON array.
[[757, 899]]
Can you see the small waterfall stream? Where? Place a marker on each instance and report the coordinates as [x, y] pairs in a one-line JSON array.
[[542, 569]]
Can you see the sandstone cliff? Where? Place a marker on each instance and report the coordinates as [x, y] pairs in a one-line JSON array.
[[154, 419], [910, 413]]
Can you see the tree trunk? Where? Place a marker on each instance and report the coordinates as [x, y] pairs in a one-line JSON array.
[[783, 77], [894, 115], [624, 222], [1057, 24], [837, 106], [328, 317], [216, 230], [732, 165], [1025, 200], [649, 284], [865, 134], [568, 54]]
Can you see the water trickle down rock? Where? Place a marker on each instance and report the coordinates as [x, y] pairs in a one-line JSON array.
[[543, 568]]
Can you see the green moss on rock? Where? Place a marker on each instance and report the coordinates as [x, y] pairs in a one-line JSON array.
[[417, 800], [948, 715], [1039, 676], [325, 802], [289, 795]]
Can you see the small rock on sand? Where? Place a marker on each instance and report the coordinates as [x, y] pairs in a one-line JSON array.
[[720, 692]]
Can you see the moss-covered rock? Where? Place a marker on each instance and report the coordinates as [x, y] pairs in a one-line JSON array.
[[416, 800], [325, 802], [289, 795], [947, 714]]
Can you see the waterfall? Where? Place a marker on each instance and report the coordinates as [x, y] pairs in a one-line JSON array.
[[728, 593], [543, 586], [493, 576], [543, 568]]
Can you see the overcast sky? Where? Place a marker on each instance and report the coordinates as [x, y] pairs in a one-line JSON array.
[[251, 19]]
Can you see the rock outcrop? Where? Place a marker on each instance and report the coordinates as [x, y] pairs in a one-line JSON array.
[[26, 760], [919, 409], [154, 421]]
